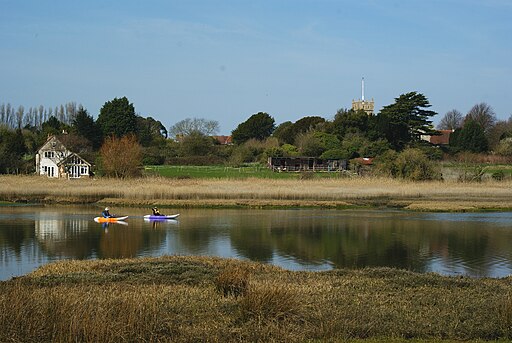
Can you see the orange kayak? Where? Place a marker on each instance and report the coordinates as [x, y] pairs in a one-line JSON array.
[[109, 220]]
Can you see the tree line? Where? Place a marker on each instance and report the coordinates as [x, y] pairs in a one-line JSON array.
[[397, 129]]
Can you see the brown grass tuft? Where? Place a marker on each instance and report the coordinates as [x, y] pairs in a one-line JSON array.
[[270, 303], [233, 281]]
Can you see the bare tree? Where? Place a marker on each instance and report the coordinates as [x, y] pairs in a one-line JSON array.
[[71, 110], [40, 116], [200, 125], [483, 114], [2, 114], [19, 116], [61, 114], [121, 157], [452, 120]]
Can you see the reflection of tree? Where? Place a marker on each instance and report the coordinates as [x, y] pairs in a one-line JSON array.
[[197, 234], [16, 234], [254, 244], [394, 241], [251, 237]]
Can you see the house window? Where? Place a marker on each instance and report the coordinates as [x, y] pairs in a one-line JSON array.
[[49, 154]]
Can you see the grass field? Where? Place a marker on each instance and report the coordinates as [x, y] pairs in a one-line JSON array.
[[450, 172], [204, 299], [224, 172]]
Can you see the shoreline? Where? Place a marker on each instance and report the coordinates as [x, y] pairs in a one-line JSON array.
[[261, 193]]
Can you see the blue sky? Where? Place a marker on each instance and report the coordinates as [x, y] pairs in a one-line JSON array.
[[226, 60]]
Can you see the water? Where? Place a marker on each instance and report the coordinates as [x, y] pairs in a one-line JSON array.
[[473, 244]]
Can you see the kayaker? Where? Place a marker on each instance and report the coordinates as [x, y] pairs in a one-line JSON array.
[[156, 212], [106, 213]]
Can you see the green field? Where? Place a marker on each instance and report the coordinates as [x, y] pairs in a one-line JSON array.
[[223, 172]]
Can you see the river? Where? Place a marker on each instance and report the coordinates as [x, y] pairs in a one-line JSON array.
[[472, 244]]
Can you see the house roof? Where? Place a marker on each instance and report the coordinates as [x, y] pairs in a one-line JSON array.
[[442, 139], [53, 143], [65, 160], [224, 139], [366, 161]]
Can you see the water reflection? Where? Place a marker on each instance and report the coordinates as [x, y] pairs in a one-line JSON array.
[[471, 244]]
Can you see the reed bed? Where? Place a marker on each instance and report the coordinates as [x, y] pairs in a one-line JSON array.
[[319, 192], [183, 299]]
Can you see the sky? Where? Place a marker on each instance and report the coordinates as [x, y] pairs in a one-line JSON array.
[[227, 60]]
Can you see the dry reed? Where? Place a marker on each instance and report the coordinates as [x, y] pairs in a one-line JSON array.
[[260, 192]]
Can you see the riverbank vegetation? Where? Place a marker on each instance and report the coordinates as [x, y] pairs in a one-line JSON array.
[[183, 299], [400, 139], [256, 192]]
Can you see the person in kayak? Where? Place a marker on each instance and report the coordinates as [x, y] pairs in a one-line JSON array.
[[156, 212], [106, 213]]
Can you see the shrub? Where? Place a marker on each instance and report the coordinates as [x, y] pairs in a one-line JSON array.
[[413, 164]]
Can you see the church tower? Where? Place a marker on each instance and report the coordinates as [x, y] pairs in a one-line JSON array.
[[367, 106]]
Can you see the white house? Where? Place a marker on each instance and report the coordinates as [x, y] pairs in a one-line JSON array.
[[53, 159]]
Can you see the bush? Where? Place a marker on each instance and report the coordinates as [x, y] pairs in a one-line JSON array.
[[411, 164], [414, 165]]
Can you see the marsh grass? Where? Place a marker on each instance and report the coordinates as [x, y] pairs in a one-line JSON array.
[[233, 281], [176, 299], [270, 303], [259, 192]]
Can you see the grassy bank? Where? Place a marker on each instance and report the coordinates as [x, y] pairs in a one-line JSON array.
[[253, 192], [183, 299]]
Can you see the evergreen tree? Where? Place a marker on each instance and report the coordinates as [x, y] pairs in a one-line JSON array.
[[406, 120], [258, 126], [117, 117], [470, 138], [85, 126]]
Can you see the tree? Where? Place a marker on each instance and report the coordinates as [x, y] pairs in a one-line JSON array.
[[483, 114], [196, 144], [470, 138], [53, 126], [258, 126], [315, 143], [12, 150], [199, 125], [151, 131], [117, 117], [406, 120], [452, 120], [501, 130], [350, 121], [121, 157], [283, 131], [84, 125]]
